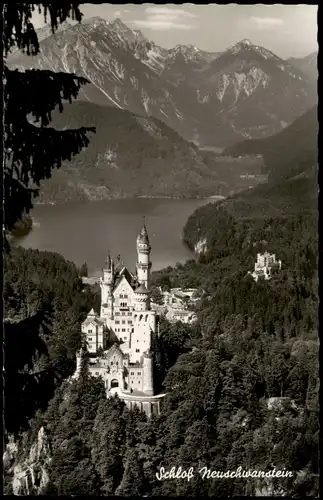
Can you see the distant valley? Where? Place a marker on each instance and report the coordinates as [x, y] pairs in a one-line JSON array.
[[287, 153]]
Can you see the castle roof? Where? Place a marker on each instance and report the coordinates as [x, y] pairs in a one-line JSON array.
[[124, 273], [141, 289], [114, 349], [143, 236], [93, 317]]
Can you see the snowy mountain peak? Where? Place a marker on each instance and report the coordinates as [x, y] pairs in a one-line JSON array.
[[247, 45], [188, 52], [119, 26], [245, 41], [94, 20], [184, 48], [242, 45]]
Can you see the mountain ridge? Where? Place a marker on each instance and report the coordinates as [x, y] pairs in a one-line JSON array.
[[128, 156], [209, 98]]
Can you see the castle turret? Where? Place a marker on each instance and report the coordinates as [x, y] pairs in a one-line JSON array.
[[148, 379], [106, 284], [79, 357], [143, 257], [142, 302]]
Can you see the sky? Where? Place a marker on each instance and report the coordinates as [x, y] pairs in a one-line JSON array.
[[286, 30]]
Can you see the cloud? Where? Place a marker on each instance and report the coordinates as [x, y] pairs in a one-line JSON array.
[[161, 25], [266, 23], [164, 18], [167, 11], [117, 13]]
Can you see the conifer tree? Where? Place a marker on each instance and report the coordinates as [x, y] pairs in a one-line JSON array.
[[133, 478], [33, 150]]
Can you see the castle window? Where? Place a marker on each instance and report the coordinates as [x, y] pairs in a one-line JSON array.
[[137, 350], [129, 321], [117, 313], [96, 373], [125, 296], [129, 313], [131, 373], [89, 331], [124, 338], [121, 296], [139, 373], [123, 321], [111, 363], [117, 322]]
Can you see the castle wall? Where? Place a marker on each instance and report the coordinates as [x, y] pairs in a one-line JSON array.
[[136, 376], [148, 381], [144, 328]]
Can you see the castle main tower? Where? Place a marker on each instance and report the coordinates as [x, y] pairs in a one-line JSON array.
[[106, 284], [143, 257]]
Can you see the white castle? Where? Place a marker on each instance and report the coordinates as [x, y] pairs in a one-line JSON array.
[[121, 340], [264, 265]]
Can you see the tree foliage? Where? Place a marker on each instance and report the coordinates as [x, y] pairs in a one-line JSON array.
[[33, 150], [242, 385]]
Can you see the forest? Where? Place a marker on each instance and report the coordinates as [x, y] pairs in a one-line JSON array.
[[252, 342]]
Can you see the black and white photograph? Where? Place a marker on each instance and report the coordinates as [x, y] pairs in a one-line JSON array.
[[160, 250]]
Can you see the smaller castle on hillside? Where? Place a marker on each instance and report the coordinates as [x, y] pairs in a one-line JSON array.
[[265, 265]]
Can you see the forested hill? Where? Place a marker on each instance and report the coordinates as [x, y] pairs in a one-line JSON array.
[[128, 156], [260, 340], [242, 384], [294, 197], [290, 151]]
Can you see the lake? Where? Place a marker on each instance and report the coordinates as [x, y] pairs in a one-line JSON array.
[[86, 232]]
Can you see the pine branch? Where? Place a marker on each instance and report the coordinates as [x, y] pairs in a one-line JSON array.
[[42, 92], [40, 151], [18, 29]]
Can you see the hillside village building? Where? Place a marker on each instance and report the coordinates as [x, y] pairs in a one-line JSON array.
[[121, 340], [176, 304], [264, 266]]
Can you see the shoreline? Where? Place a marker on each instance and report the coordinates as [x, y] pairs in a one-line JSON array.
[[143, 197]]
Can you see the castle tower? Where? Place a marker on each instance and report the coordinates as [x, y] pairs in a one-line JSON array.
[[148, 381], [106, 284], [142, 302], [143, 257], [79, 359]]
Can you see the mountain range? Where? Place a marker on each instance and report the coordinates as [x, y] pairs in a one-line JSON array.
[[308, 65], [209, 98]]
